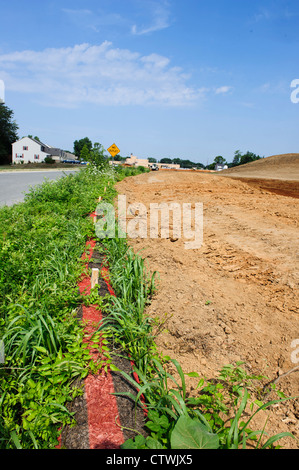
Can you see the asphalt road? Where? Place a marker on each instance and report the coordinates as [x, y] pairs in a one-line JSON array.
[[15, 184]]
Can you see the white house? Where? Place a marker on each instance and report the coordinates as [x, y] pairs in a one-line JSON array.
[[29, 150], [220, 167]]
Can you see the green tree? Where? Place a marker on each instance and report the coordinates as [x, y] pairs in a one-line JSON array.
[[96, 156], [35, 138], [220, 160], [237, 158], [248, 157], [211, 166], [79, 144], [85, 154], [8, 133]]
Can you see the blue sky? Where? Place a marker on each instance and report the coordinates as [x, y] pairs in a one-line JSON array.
[[160, 78]]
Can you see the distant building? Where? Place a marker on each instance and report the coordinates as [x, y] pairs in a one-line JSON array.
[[168, 166], [29, 150], [135, 161], [220, 167]]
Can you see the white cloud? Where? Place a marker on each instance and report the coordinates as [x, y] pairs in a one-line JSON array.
[[98, 74], [223, 89], [160, 19], [279, 87], [95, 20], [156, 12], [263, 15]]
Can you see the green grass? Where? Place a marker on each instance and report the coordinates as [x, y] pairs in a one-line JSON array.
[[39, 166], [41, 243]]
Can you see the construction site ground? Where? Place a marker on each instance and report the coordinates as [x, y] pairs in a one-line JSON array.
[[236, 297]]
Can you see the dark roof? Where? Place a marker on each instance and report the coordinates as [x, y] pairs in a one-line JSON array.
[[38, 142], [51, 150]]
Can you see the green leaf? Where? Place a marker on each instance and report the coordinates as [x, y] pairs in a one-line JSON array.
[[152, 443], [160, 421], [30, 383], [137, 443], [192, 374], [200, 383], [191, 434], [128, 444], [41, 349], [15, 439], [276, 438]]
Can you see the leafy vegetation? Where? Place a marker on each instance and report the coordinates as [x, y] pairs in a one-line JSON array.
[[41, 243], [8, 133], [80, 144], [93, 153], [241, 159]]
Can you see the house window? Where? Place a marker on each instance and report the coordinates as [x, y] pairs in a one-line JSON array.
[[19, 155], [25, 148], [36, 157]]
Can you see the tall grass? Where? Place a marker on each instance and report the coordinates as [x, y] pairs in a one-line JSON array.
[[41, 243], [126, 320]]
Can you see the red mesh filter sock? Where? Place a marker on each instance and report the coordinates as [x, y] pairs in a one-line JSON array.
[[105, 275], [102, 409]]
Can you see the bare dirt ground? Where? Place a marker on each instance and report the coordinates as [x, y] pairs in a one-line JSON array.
[[278, 167], [236, 297]]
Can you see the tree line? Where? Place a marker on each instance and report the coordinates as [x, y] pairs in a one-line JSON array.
[[239, 159], [8, 133]]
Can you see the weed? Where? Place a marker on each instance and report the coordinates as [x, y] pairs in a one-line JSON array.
[[41, 244]]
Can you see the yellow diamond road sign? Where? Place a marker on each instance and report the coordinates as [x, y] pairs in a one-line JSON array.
[[113, 150]]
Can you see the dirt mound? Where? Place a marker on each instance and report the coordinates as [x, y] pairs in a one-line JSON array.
[[284, 166]]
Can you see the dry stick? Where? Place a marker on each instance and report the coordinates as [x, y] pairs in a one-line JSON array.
[[281, 376], [285, 374], [124, 427], [94, 277]]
